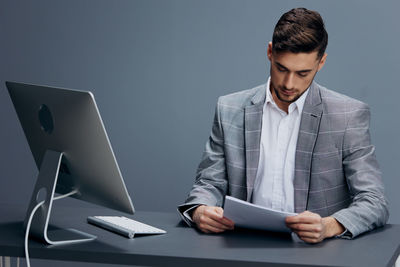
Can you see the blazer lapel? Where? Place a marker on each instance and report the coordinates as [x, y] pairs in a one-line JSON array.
[[308, 132], [252, 132]]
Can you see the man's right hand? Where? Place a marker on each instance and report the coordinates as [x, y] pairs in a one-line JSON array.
[[211, 219]]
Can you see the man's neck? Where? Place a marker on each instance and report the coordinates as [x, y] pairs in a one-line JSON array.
[[282, 105]]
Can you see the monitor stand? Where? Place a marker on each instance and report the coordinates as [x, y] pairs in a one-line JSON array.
[[44, 191]]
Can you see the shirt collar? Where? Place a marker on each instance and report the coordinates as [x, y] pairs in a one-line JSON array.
[[299, 103]]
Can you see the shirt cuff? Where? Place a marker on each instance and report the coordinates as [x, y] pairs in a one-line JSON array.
[[345, 235], [187, 213]]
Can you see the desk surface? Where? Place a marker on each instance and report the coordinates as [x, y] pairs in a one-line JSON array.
[[183, 246]]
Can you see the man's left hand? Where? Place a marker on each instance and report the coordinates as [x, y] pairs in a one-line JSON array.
[[312, 228]]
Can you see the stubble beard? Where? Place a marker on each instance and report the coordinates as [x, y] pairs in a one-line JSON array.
[[289, 101], [282, 99]]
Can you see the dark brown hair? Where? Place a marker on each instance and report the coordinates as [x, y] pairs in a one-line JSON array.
[[300, 30]]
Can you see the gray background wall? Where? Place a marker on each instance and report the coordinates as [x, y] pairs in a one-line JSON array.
[[157, 68]]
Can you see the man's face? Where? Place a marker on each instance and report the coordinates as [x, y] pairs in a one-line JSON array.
[[291, 74]]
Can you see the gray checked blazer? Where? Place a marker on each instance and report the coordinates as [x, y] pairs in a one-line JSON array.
[[336, 172]]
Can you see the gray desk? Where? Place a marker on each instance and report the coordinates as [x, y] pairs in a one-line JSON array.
[[183, 246]]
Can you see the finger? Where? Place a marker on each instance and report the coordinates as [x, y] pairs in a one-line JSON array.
[[205, 219], [303, 218], [215, 223], [311, 235], [305, 227], [228, 222], [219, 211], [206, 228], [214, 215]]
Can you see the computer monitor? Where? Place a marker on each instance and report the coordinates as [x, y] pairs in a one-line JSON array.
[[71, 149]]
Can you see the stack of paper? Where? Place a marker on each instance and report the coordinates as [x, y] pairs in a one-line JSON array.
[[248, 215]]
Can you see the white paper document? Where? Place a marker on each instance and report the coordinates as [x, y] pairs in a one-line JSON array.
[[248, 215]]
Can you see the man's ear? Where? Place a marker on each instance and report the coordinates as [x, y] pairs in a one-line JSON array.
[[322, 61], [269, 51]]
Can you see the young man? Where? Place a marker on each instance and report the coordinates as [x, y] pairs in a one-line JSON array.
[[292, 145]]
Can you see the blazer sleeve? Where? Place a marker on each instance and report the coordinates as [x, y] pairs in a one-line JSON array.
[[210, 185], [369, 207]]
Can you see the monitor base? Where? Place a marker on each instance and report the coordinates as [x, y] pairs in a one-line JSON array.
[[68, 236], [43, 195]]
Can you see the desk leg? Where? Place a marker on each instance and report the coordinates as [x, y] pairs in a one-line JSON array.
[[7, 262]]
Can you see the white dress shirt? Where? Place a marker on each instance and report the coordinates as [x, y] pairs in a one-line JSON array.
[[274, 181], [273, 186]]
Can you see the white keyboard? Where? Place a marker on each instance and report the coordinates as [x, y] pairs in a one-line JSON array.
[[123, 226]]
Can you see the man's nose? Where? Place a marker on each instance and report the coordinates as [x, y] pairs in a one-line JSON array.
[[289, 81]]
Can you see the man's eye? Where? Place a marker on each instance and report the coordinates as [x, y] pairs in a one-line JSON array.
[[281, 69], [303, 74]]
